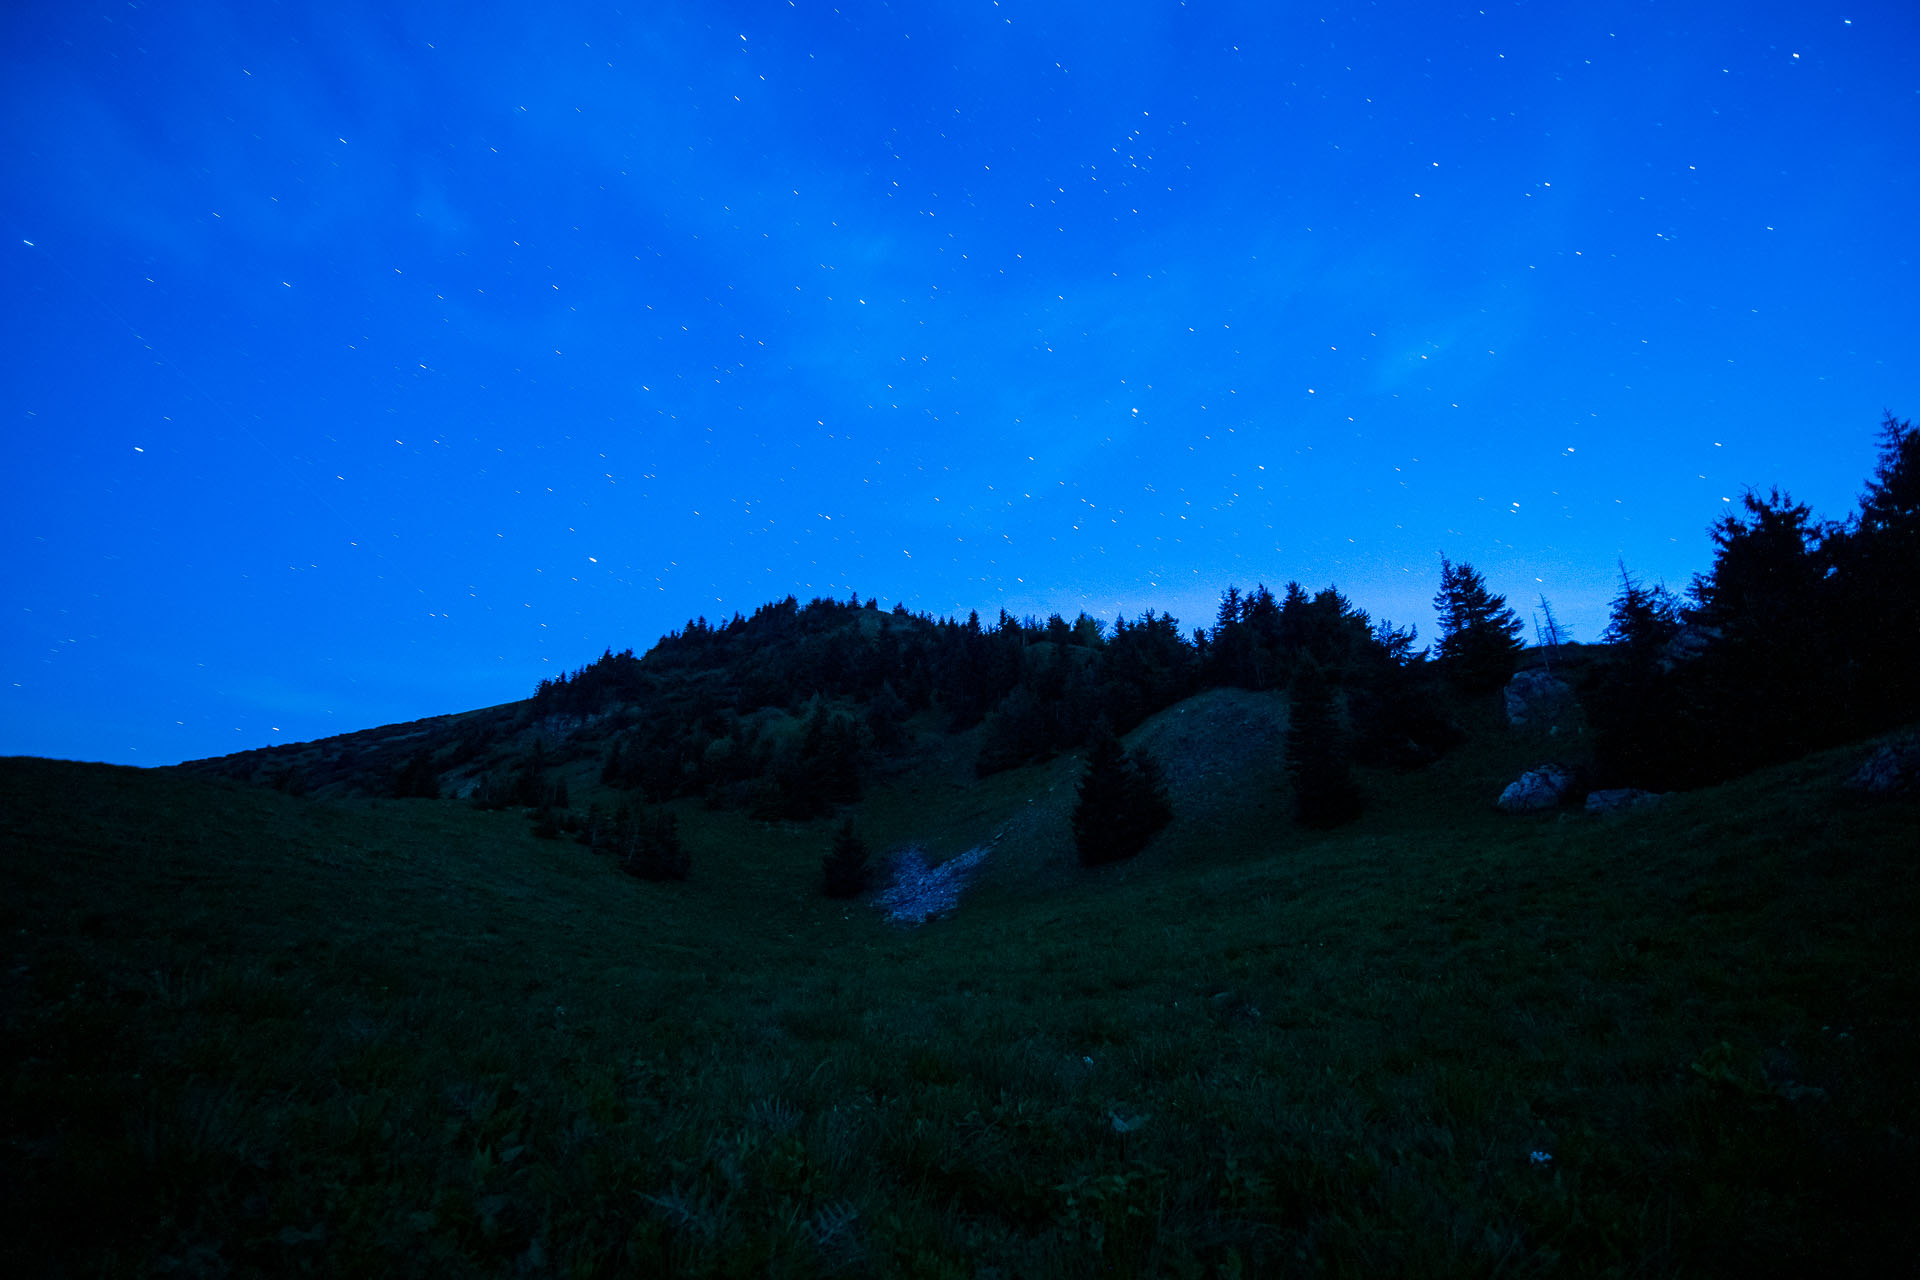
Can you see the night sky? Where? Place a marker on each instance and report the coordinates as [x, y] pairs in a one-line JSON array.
[[366, 365]]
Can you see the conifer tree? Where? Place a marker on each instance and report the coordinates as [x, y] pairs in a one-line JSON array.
[[1395, 644], [1881, 589], [1641, 619], [1324, 794], [1479, 639], [885, 711], [1548, 631], [844, 872], [1768, 685], [1891, 505], [417, 779], [652, 848], [1634, 717], [1016, 732], [1768, 571], [1232, 648], [1122, 803], [1295, 606], [831, 755]]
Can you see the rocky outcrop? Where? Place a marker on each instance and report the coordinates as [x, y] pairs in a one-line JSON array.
[[1689, 644], [1621, 800], [1537, 698], [1544, 787], [1893, 769]]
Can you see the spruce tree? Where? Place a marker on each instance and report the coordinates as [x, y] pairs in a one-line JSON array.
[[1641, 619], [417, 779], [1880, 568], [1769, 572], [1324, 794], [885, 711], [1768, 686], [1232, 643], [1479, 641], [652, 848], [1635, 717], [1122, 803], [844, 872], [1548, 631], [1152, 808], [830, 751]]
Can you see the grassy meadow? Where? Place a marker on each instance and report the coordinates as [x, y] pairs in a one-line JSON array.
[[255, 1033]]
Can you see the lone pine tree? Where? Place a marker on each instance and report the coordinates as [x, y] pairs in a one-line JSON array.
[[1479, 639]]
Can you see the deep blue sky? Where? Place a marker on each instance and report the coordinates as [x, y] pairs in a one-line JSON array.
[[365, 366]]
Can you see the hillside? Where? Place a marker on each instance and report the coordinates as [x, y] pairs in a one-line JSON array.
[[251, 1031], [798, 704], [1791, 642]]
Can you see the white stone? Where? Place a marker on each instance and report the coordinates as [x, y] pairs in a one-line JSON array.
[[1537, 697], [1541, 788]]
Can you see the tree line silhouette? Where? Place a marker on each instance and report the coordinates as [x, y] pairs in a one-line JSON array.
[[1797, 636], [711, 710]]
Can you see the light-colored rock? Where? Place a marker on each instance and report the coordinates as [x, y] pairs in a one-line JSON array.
[[1892, 769], [1689, 643], [1621, 800], [1537, 697], [918, 892], [1537, 789]]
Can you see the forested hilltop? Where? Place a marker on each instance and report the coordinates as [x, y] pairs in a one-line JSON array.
[[1797, 636]]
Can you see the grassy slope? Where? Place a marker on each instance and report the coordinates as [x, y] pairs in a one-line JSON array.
[[250, 1031]]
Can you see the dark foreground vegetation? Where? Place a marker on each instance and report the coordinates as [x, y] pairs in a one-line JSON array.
[[248, 1033], [1251, 977]]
